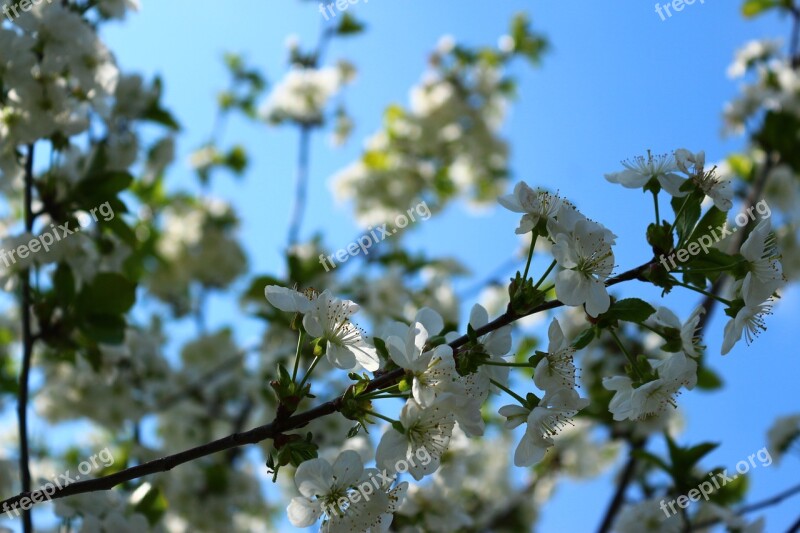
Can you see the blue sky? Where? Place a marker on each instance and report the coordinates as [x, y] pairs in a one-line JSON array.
[[618, 81]]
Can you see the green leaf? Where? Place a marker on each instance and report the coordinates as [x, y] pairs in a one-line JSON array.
[[349, 25], [650, 458], [107, 329], [109, 293], [584, 338], [753, 8], [711, 222], [707, 379], [153, 505], [689, 215], [161, 116], [64, 283], [630, 310]]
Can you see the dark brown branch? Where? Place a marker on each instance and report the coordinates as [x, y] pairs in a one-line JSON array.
[[619, 495], [279, 426], [27, 350]]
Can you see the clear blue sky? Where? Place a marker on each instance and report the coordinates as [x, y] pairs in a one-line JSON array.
[[617, 82]]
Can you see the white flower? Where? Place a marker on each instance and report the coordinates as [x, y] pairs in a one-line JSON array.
[[720, 191], [536, 205], [434, 370], [750, 318], [333, 491], [641, 170], [328, 318], [426, 431], [557, 369], [544, 422], [762, 255], [303, 95], [651, 398], [587, 260], [690, 342], [472, 390]]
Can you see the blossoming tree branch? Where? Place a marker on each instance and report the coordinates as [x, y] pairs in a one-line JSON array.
[[368, 402]]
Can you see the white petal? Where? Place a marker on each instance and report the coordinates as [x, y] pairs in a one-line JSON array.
[[314, 477], [430, 320], [347, 468], [303, 512], [287, 299]]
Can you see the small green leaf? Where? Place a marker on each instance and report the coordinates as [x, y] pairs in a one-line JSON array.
[[630, 310]]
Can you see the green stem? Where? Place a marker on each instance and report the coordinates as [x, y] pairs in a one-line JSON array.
[[626, 352], [701, 291], [544, 276], [655, 204], [388, 390], [510, 392], [514, 365], [387, 396], [297, 356], [310, 370], [534, 236], [378, 415]]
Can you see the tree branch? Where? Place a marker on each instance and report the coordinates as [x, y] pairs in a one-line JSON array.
[[278, 426], [27, 349], [619, 495]]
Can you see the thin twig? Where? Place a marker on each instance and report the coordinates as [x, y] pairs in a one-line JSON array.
[[301, 185]]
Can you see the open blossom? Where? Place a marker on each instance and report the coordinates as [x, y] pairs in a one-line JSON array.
[[720, 191], [328, 318], [543, 422], [557, 369], [650, 399], [639, 171], [472, 390], [433, 370], [426, 431], [690, 341], [537, 205], [587, 261], [749, 320], [762, 255], [303, 95], [323, 485]]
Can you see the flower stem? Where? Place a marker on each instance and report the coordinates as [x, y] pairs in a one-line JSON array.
[[544, 276], [701, 291], [378, 415], [514, 365], [626, 352], [655, 204], [297, 356], [510, 392], [534, 236], [310, 370]]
